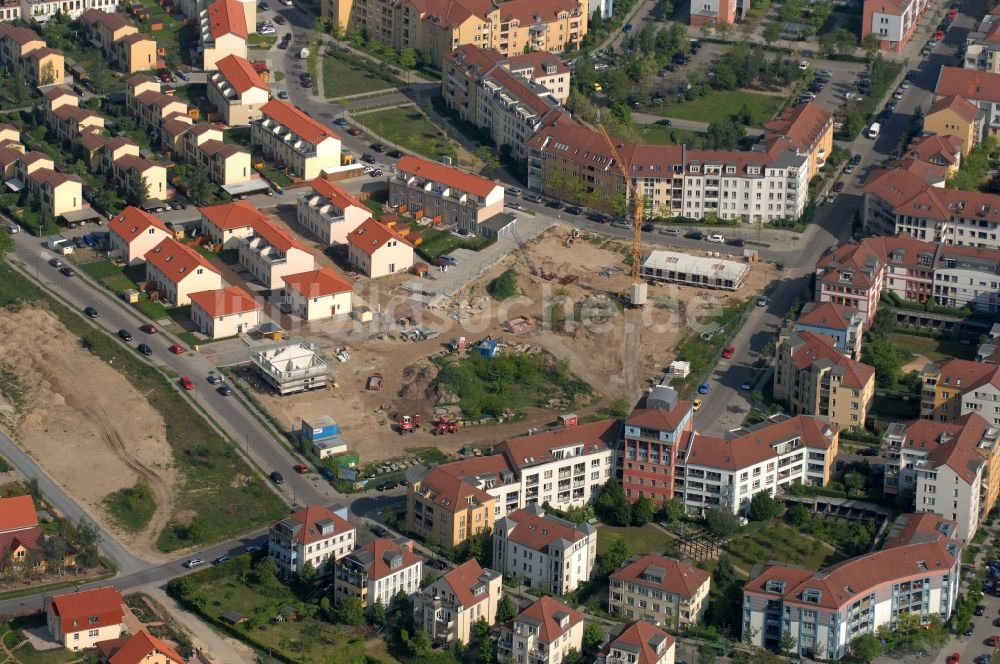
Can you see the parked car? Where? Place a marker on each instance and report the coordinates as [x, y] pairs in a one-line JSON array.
[[215, 379], [187, 383], [147, 328], [194, 562], [387, 486], [980, 610], [340, 122], [969, 630], [327, 473], [301, 468], [838, 186], [280, 20], [694, 235], [222, 559], [264, 6], [746, 385], [627, 28], [377, 173], [368, 158], [449, 260], [353, 131], [573, 210], [672, 232], [67, 271], [716, 238], [736, 242], [704, 388], [394, 154], [276, 477], [856, 159], [144, 349], [728, 353], [696, 405], [225, 391], [762, 301], [870, 452], [55, 262], [598, 218], [666, 122], [533, 198], [826, 72], [804, 65], [176, 349], [555, 205], [125, 335], [92, 312], [13, 228], [848, 169], [378, 147]]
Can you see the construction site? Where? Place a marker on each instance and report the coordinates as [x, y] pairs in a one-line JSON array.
[[571, 306]]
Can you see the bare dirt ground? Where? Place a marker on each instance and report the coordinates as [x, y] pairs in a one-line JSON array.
[[615, 352], [85, 423]]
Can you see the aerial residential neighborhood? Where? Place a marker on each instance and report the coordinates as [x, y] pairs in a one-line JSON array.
[[464, 332]]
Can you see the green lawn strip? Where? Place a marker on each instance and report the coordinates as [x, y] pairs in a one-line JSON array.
[[221, 492], [721, 105], [132, 507], [343, 78], [777, 541], [409, 128], [435, 243], [645, 539], [933, 349], [654, 134], [152, 310]]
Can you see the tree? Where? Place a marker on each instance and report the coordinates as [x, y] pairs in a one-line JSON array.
[[855, 482], [138, 190], [506, 611], [486, 654], [621, 113], [199, 186], [643, 511], [612, 506], [788, 644], [376, 614], [408, 58], [572, 656], [725, 135], [772, 32], [763, 506], [798, 515], [886, 358], [614, 557], [308, 573], [350, 612], [866, 647], [47, 75], [593, 635], [489, 157], [672, 510], [725, 77], [722, 523], [481, 629]]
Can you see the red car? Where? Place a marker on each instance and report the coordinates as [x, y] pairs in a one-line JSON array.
[[354, 131], [301, 468], [954, 658], [186, 383], [728, 353], [176, 349], [147, 328]]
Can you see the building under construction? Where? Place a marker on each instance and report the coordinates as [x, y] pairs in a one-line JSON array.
[[704, 271], [290, 367]]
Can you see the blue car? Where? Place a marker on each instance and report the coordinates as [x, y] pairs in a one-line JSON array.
[[703, 388]]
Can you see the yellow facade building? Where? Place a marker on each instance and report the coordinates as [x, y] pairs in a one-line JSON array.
[[446, 509], [956, 116]]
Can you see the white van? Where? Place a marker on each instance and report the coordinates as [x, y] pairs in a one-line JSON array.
[[874, 130]]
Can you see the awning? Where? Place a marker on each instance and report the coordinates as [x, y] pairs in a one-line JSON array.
[[86, 214], [14, 184], [248, 187]]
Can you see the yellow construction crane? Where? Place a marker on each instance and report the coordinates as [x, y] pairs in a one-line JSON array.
[[637, 293]]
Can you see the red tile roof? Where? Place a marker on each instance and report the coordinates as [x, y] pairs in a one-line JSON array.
[[375, 556], [138, 648], [450, 177], [746, 449], [537, 530], [953, 444], [531, 450], [176, 260], [20, 36], [667, 574], [88, 609], [804, 124], [132, 222], [969, 83], [240, 74], [450, 492], [225, 301], [110, 21], [334, 193], [530, 12], [226, 17], [278, 238], [811, 349], [371, 236], [907, 194], [318, 283], [17, 513], [549, 612], [858, 259], [308, 522], [539, 61], [299, 122], [644, 636], [463, 579], [966, 374], [658, 418], [964, 108], [229, 216], [828, 315], [946, 150]]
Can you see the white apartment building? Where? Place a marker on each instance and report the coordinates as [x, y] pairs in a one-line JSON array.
[[984, 400], [313, 535], [982, 88], [916, 572], [293, 138], [666, 592], [271, 253], [543, 551], [541, 634], [448, 608], [329, 212], [982, 45], [40, 11], [377, 571], [967, 277], [449, 196], [237, 91], [726, 473], [639, 643]]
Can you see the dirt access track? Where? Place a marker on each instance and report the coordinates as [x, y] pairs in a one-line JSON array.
[[84, 422], [616, 351]]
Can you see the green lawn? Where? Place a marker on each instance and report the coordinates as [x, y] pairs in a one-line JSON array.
[[263, 42], [646, 539], [659, 135], [276, 177], [110, 275], [718, 106], [437, 243], [342, 78], [776, 541], [132, 507], [933, 349], [153, 310], [194, 94], [408, 128]]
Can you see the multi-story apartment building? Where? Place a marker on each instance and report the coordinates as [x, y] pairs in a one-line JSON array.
[[647, 454], [982, 45], [437, 27], [574, 163], [639, 643], [808, 128], [224, 32], [946, 384], [943, 466], [813, 377], [120, 41], [310, 536], [916, 572], [967, 277], [449, 196], [448, 505], [944, 151], [127, 170], [725, 473], [843, 325], [237, 91], [542, 634], [10, 10], [447, 609], [891, 22], [956, 116], [717, 12], [24, 52], [65, 117], [291, 137], [202, 146], [377, 571], [665, 591], [57, 193], [544, 551], [983, 398], [40, 11], [270, 254], [327, 211], [982, 88]]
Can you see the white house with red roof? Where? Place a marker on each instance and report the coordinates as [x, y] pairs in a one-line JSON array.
[[228, 223], [133, 232], [375, 250], [176, 270], [543, 551], [548, 629], [891, 22], [294, 139], [80, 620], [378, 571], [423, 188], [139, 648], [21, 538], [665, 591], [329, 212], [223, 27], [318, 294], [639, 643], [225, 312], [237, 91], [312, 535], [271, 253], [448, 608]]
